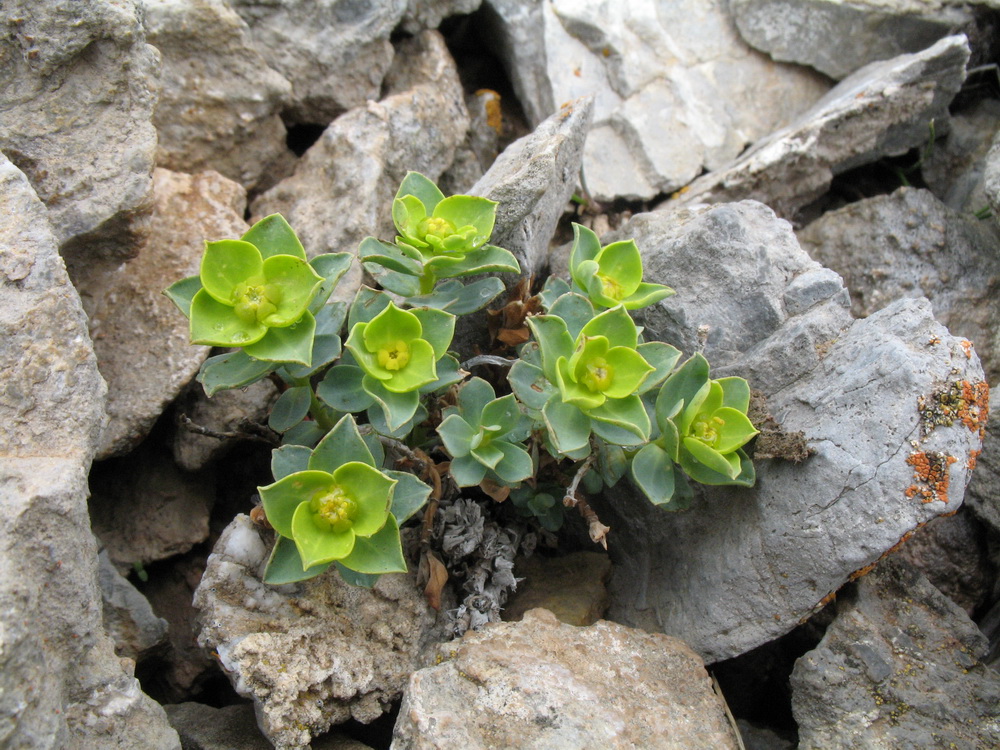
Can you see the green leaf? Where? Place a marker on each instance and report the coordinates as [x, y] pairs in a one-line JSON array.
[[467, 471], [568, 426], [670, 440], [289, 459], [395, 282], [735, 393], [647, 294], [575, 310], [341, 389], [735, 431], [621, 263], [291, 408], [448, 373], [341, 445], [615, 434], [215, 324], [438, 328], [487, 454], [628, 413], [316, 545], [331, 267], [616, 325], [487, 259], [457, 435], [469, 210], [458, 298], [516, 464], [408, 497], [226, 264], [376, 418], [662, 357], [553, 289], [397, 408], [473, 397], [353, 578], [553, 340], [529, 385], [233, 370], [272, 235], [285, 566], [367, 304], [304, 433], [283, 497], [293, 343], [501, 416], [692, 448], [701, 473], [381, 553], [422, 188], [586, 246], [375, 252], [370, 489], [291, 283], [681, 388], [182, 292], [611, 463], [653, 473]]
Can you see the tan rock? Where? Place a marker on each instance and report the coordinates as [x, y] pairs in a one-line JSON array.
[[571, 587]]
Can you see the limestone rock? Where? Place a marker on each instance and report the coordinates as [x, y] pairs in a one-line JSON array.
[[991, 176], [676, 89], [342, 189], [954, 166], [984, 489], [78, 95], [540, 683], [428, 14], [220, 103], [742, 566], [335, 54], [909, 244], [883, 109], [142, 341], [838, 37], [128, 618], [571, 587], [313, 654], [899, 667]]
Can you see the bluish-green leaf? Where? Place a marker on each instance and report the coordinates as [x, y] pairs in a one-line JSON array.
[[341, 445], [331, 267], [304, 433], [662, 357], [289, 459], [530, 385], [233, 370], [285, 565], [681, 387], [627, 413], [611, 463], [568, 426], [467, 471], [554, 288], [473, 396], [182, 292], [586, 246], [291, 408], [653, 473], [487, 259], [341, 389], [272, 235], [354, 578], [448, 373], [397, 408], [576, 311], [516, 464], [457, 435], [554, 341], [373, 252], [367, 304], [460, 299], [409, 495], [395, 282]]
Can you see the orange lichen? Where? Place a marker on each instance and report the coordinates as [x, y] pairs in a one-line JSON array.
[[967, 346], [973, 458], [491, 104], [931, 470], [962, 401]]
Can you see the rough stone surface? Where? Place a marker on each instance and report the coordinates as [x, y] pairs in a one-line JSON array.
[[540, 683], [77, 96], [909, 244], [313, 654], [991, 176], [142, 342], [837, 37], [219, 101], [742, 566], [143, 508], [61, 684], [335, 53], [570, 587], [677, 90], [984, 489], [481, 146], [883, 109], [899, 667], [128, 618], [954, 167], [223, 412], [533, 180], [428, 14], [342, 189]]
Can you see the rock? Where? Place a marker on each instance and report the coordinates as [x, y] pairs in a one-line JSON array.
[[128, 618], [541, 683], [428, 14], [313, 654], [571, 587], [983, 494], [334, 59], [145, 509], [954, 165], [909, 244], [78, 96], [223, 412], [952, 553], [883, 109], [220, 103], [142, 341], [677, 91], [899, 667], [742, 566], [838, 37], [480, 148], [61, 684], [533, 180], [343, 187], [991, 176], [762, 738]]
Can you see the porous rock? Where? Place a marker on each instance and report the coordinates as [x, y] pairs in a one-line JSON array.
[[540, 683], [312, 654], [342, 189], [742, 566], [78, 95], [128, 617], [909, 244], [142, 341], [883, 109], [220, 103], [838, 37], [676, 89], [334, 54], [900, 666], [61, 684]]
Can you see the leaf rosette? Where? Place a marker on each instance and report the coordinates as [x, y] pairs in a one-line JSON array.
[[611, 275]]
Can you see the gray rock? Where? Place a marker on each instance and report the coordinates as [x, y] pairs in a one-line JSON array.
[[78, 96], [533, 180], [991, 176], [676, 89], [342, 189], [899, 667], [742, 566], [909, 244], [335, 54], [61, 684], [223, 412], [428, 14], [142, 342], [314, 654], [128, 617], [954, 166], [219, 101], [883, 109], [838, 37], [540, 683], [481, 146], [143, 508], [983, 494]]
